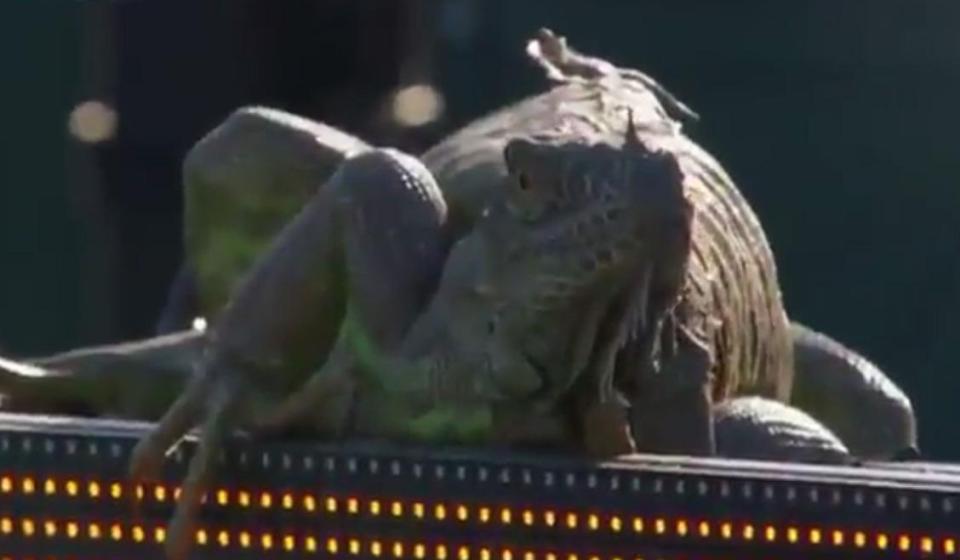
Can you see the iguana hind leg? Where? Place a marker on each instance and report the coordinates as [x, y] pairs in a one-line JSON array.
[[852, 397]]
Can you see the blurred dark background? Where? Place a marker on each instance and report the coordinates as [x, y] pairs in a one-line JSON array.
[[837, 119]]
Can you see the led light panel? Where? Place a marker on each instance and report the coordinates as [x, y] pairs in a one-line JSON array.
[[63, 495]]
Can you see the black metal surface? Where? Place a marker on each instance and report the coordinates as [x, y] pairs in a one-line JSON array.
[[298, 500]]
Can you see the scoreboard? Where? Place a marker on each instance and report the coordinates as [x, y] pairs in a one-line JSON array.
[[64, 495]]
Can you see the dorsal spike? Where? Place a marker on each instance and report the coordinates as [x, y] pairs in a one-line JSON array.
[[632, 138]]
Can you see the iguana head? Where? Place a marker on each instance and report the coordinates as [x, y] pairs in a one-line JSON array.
[[592, 237]]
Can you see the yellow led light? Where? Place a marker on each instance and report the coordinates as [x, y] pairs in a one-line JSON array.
[[160, 494], [419, 551], [138, 534], [463, 553], [353, 506], [266, 500], [571, 520], [201, 537], [859, 539], [527, 517], [375, 548], [266, 541], [949, 546], [116, 532], [287, 501], [440, 552], [926, 544], [726, 530], [506, 554], [659, 526], [748, 532], [398, 550], [593, 522], [223, 497], [353, 546], [93, 489], [703, 528], [903, 543], [28, 528], [463, 513], [50, 528], [616, 524], [374, 507], [138, 491], [770, 533], [418, 510], [549, 518], [531, 556], [837, 538], [551, 556], [792, 535], [396, 509], [815, 536], [484, 514], [331, 504], [333, 546], [93, 531], [638, 525], [484, 554], [6, 525], [28, 485], [882, 541], [223, 539], [506, 516], [72, 529], [159, 534], [116, 490], [309, 503], [72, 487], [176, 495], [440, 512], [49, 486], [244, 539], [682, 528], [6, 484], [310, 544], [243, 498]]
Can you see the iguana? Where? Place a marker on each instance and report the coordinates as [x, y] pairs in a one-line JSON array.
[[685, 314]]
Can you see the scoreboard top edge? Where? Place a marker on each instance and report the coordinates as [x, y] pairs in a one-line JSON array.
[[940, 477]]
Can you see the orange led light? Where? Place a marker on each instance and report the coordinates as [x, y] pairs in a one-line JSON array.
[[6, 525], [703, 528], [571, 521], [682, 528], [353, 506], [926, 544], [6, 484], [506, 555], [116, 532], [138, 491], [659, 526], [949, 546]]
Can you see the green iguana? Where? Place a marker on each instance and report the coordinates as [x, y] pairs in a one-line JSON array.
[[555, 266]]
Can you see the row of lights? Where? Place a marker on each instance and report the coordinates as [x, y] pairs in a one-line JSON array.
[[743, 532], [242, 539]]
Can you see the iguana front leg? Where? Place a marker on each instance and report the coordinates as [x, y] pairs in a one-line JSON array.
[[379, 207]]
